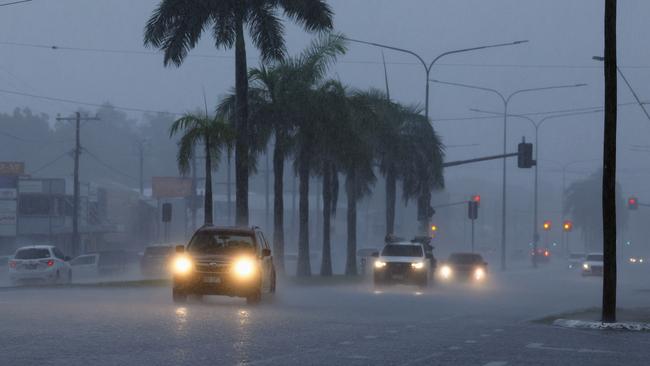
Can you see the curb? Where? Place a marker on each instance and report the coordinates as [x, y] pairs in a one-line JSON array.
[[593, 325]]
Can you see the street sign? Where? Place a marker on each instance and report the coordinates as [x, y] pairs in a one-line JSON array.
[[12, 168]]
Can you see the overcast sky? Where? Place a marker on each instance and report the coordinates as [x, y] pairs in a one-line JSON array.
[[563, 36]]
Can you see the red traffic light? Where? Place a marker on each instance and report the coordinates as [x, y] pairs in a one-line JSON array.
[[476, 198], [547, 225], [568, 225], [632, 203]]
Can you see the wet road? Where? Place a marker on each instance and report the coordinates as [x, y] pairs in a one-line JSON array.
[[335, 325]]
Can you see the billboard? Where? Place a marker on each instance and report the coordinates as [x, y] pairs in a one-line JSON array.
[[171, 187], [12, 168]]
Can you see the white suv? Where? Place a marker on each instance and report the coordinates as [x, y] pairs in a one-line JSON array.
[[403, 262], [39, 264]]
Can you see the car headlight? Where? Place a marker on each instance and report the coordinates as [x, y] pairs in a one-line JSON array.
[[479, 274], [632, 260], [585, 266], [641, 260], [182, 265], [445, 272], [417, 265], [380, 264], [244, 267]]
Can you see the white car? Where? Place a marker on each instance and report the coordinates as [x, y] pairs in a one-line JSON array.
[[403, 262], [593, 265], [39, 264]]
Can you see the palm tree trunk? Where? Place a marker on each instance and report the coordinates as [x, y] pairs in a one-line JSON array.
[[207, 203], [424, 202], [304, 266], [351, 262], [326, 264], [278, 204], [241, 144], [609, 166], [391, 197]]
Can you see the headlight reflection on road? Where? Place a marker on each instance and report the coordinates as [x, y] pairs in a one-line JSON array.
[[181, 318]]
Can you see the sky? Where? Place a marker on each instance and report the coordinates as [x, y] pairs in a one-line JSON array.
[[563, 36]]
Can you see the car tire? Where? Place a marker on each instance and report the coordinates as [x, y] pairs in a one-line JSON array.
[[255, 297], [179, 296]]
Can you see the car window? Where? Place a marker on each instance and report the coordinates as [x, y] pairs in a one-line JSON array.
[[262, 240], [595, 257], [207, 242], [32, 253], [402, 251]]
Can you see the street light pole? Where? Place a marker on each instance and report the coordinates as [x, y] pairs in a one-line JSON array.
[[536, 125], [506, 102], [428, 67]]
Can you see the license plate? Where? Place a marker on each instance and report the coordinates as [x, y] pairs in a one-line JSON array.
[[31, 266], [212, 279], [398, 277]]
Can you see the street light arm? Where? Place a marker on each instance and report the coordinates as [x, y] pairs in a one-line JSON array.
[[470, 87], [544, 88], [474, 49], [390, 48]]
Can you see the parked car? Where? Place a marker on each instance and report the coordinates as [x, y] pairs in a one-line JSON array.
[[155, 260], [39, 264], [224, 261]]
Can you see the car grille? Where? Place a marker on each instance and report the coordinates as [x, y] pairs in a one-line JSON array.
[[397, 267], [212, 267]]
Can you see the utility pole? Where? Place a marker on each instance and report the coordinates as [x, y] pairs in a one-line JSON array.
[[75, 203], [193, 196]]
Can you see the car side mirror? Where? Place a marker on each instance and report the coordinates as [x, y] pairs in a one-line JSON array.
[[266, 252], [180, 249], [375, 254]]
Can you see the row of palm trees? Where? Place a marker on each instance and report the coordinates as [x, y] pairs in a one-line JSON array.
[[329, 131]]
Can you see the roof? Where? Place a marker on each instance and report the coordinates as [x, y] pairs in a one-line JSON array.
[[36, 247], [404, 243]]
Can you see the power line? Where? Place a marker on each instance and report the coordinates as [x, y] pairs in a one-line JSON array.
[[107, 166], [49, 163], [362, 62], [71, 101], [15, 2]]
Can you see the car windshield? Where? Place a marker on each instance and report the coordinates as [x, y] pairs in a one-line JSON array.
[[32, 253], [595, 257], [158, 250], [207, 242], [402, 251], [465, 258]]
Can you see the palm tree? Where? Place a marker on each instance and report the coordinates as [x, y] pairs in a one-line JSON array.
[[278, 104], [215, 134], [422, 171], [177, 25]]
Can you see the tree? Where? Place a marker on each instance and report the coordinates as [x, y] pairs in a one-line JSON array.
[[581, 204], [609, 166], [215, 134], [422, 171], [177, 25]]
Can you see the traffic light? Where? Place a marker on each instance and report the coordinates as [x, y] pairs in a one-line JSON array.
[[477, 198], [472, 210], [525, 155], [633, 203], [547, 225], [567, 226], [434, 228]]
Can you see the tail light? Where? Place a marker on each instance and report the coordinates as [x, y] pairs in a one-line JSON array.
[[12, 264], [546, 253], [49, 262]]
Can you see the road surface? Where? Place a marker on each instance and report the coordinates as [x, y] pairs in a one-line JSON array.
[[321, 325]]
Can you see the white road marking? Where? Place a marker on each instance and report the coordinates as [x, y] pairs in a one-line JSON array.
[[454, 348], [496, 363], [346, 343], [410, 326], [370, 337], [470, 341], [391, 331], [498, 330], [485, 335], [565, 349], [359, 357]]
